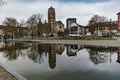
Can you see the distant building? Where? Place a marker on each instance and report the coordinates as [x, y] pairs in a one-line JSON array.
[[59, 28], [69, 21], [51, 20], [109, 30], [1, 30], [118, 21], [76, 29], [56, 27]]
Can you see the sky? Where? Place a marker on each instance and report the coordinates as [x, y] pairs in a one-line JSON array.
[[82, 10]]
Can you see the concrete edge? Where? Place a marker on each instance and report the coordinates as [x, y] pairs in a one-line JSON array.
[[12, 72]]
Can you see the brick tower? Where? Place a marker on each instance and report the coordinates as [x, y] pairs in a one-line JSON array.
[[51, 20], [118, 21]]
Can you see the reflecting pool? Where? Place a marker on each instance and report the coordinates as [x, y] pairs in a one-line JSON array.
[[36, 61]]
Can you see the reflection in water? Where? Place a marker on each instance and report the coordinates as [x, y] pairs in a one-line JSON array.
[[118, 55], [37, 52], [100, 54], [72, 50]]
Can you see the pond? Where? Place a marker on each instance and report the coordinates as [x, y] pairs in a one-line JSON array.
[[37, 61]]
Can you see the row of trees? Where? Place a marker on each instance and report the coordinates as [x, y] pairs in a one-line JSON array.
[[33, 23], [100, 21]]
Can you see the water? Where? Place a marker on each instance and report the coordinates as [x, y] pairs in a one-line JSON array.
[[61, 62]]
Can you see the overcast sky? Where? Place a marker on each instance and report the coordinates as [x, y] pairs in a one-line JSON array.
[[83, 10]]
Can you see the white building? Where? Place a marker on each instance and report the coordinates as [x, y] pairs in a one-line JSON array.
[[76, 30]]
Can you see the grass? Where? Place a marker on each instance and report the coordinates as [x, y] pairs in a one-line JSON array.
[[71, 38]]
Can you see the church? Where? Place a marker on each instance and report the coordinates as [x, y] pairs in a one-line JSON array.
[[53, 27]]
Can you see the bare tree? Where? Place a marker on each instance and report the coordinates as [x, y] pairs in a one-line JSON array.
[[97, 21], [11, 25], [33, 22], [9, 21]]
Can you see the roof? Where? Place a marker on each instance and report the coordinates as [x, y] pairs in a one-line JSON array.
[[118, 13], [74, 24]]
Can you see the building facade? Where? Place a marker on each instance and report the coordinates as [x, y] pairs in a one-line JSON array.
[[69, 21], [56, 27], [59, 28], [51, 20], [76, 30], [118, 21]]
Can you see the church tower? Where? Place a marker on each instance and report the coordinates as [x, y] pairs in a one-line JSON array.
[[51, 20], [118, 21]]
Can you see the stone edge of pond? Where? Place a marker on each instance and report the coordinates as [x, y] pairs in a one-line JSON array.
[[12, 72], [112, 43]]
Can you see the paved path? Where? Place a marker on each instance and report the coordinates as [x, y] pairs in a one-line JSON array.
[[114, 43], [7, 74], [4, 75]]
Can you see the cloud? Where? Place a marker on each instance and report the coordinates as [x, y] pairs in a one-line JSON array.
[[83, 11], [86, 1]]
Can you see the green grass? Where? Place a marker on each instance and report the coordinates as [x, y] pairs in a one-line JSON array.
[[71, 38]]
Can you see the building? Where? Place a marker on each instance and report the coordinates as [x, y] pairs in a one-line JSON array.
[[59, 28], [118, 21], [1, 30], [56, 27], [76, 30], [108, 30], [51, 20], [69, 21]]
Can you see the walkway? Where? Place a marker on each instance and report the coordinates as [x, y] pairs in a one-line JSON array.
[[4, 75]]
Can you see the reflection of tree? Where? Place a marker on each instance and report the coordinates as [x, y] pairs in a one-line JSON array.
[[34, 51], [12, 50], [39, 52], [100, 54]]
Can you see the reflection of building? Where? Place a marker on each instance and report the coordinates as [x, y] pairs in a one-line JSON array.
[[118, 56], [52, 56], [118, 20], [60, 48], [72, 50], [53, 50]]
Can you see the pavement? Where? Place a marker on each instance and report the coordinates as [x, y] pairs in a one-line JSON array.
[[8, 74], [112, 43], [4, 75]]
